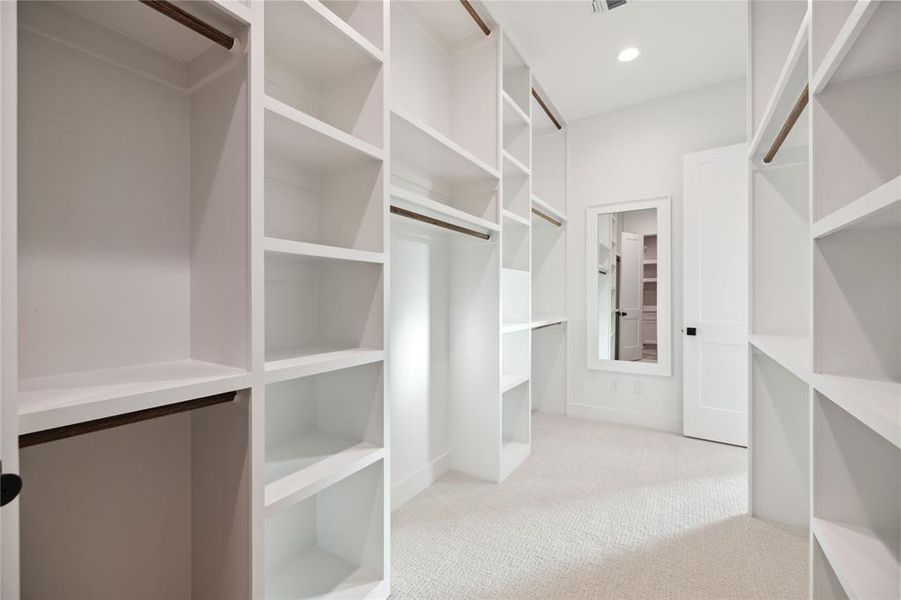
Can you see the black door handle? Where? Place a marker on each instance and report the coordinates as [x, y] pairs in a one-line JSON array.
[[691, 331], [10, 486]]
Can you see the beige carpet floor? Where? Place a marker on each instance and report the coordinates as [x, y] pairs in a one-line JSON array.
[[598, 511]]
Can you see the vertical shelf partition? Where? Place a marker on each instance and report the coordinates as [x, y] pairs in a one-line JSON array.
[[826, 374], [516, 244]]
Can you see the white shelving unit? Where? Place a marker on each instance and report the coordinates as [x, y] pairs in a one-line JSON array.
[[826, 374], [323, 255]]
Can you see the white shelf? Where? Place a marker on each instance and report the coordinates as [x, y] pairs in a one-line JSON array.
[[513, 114], [419, 146], [292, 248], [543, 321], [876, 209], [513, 327], [317, 569], [321, 47], [785, 93], [547, 209], [512, 380], [650, 280], [309, 464], [511, 160], [792, 352], [876, 404], [878, 54], [863, 564], [432, 208], [302, 362], [49, 402], [512, 216], [649, 308], [301, 138], [649, 262]]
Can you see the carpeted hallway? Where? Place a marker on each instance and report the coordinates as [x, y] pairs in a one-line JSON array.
[[598, 511]]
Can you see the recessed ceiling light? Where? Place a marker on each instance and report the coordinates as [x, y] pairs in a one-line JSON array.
[[628, 54]]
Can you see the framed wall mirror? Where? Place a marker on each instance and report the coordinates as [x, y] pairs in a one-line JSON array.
[[627, 259]]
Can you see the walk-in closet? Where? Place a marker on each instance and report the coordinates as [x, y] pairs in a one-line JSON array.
[[438, 299]]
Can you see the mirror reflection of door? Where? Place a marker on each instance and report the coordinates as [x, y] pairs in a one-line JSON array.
[[630, 284], [627, 285]]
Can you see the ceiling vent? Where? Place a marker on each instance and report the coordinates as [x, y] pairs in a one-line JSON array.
[[605, 5]]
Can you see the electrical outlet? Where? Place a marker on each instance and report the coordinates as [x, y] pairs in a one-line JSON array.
[[614, 385]]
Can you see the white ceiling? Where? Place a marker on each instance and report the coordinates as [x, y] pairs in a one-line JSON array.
[[684, 45]]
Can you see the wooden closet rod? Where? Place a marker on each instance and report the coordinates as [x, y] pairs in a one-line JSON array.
[[191, 22], [787, 127], [547, 218], [547, 111], [67, 431], [547, 325], [475, 17], [418, 217]]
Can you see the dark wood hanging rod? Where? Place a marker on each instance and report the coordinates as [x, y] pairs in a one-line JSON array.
[[487, 31], [67, 431], [191, 22], [547, 218], [793, 117], [547, 325], [475, 17], [402, 212], [546, 110]]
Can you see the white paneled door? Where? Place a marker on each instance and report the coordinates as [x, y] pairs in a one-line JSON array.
[[715, 323], [630, 297]]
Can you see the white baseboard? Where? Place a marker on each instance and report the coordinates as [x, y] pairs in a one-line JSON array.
[[412, 485], [625, 417]]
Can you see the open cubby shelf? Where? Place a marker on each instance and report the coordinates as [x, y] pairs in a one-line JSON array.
[[514, 165], [319, 65], [321, 429], [865, 566], [331, 543]]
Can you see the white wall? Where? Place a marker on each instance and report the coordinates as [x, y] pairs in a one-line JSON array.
[[620, 155], [417, 370]]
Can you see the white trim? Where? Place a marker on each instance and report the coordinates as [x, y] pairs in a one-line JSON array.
[[621, 416], [663, 366], [415, 483]]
